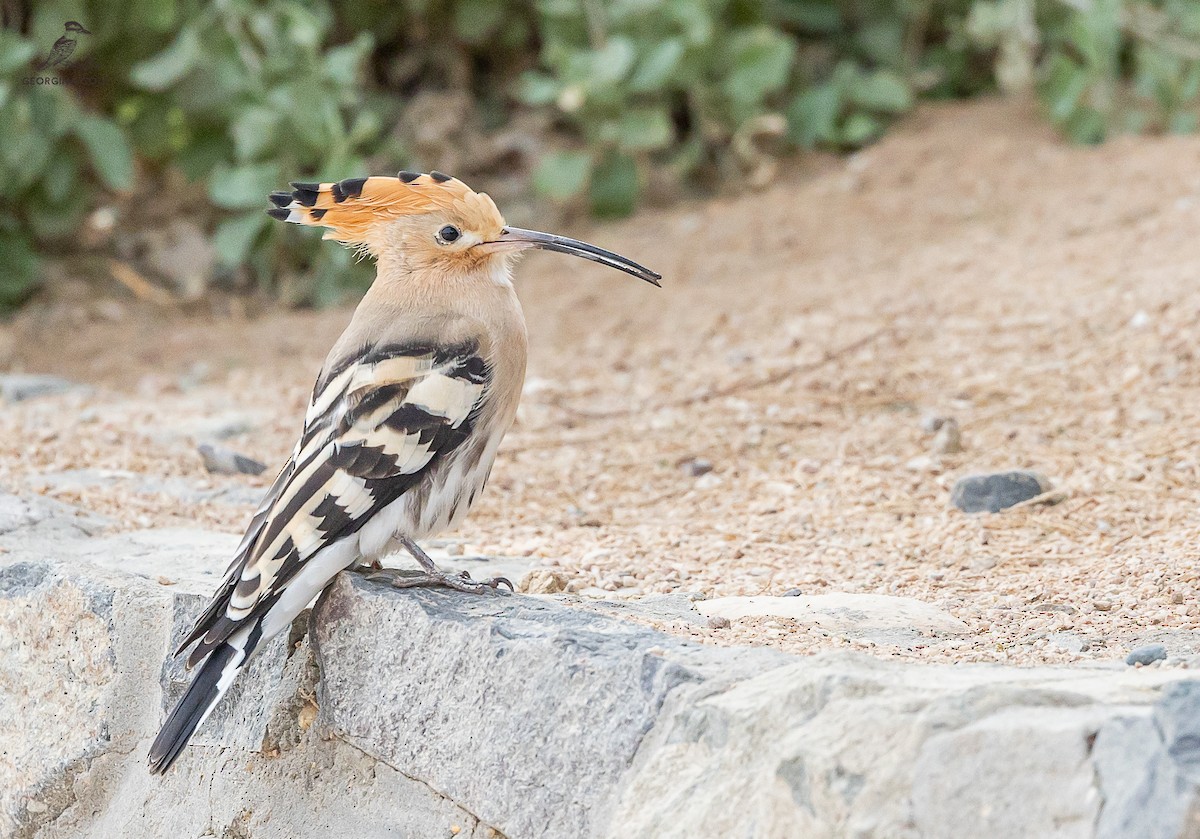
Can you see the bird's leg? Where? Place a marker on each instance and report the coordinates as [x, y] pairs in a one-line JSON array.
[[434, 576]]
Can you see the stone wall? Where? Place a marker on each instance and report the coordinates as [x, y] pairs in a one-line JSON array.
[[433, 714]]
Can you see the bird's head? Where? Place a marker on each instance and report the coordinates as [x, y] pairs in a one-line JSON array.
[[428, 222], [76, 26]]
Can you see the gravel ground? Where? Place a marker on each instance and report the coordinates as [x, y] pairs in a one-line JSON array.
[[971, 266]]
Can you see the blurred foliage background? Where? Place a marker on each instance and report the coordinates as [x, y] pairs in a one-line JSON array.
[[151, 151]]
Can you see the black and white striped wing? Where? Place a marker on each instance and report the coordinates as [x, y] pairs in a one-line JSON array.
[[376, 425]]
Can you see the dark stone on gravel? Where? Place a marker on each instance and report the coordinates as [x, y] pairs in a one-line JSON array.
[[998, 491], [17, 387], [222, 461], [1147, 654], [695, 466]]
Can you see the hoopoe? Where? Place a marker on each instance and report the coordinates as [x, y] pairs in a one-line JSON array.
[[404, 421]]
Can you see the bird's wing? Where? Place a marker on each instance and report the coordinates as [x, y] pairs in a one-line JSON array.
[[240, 557], [376, 424], [59, 53]]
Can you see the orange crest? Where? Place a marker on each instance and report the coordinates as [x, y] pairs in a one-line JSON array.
[[355, 207]]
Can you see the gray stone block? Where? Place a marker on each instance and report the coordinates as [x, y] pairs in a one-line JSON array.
[[528, 709], [422, 713]]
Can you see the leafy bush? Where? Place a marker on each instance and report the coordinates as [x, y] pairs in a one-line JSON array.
[[246, 96], [237, 96]]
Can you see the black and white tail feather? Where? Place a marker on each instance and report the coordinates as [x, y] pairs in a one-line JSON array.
[[379, 455]]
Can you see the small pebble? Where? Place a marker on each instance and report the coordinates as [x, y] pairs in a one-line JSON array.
[[1147, 654], [222, 461], [921, 463], [543, 581], [930, 423], [1102, 605], [694, 467], [1055, 607], [948, 439], [718, 622], [17, 387], [793, 592]]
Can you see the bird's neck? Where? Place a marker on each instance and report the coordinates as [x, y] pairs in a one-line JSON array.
[[487, 298]]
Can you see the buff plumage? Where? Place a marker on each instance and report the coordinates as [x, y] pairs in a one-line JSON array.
[[404, 422]]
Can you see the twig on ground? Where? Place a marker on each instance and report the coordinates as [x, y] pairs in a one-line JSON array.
[[739, 387], [141, 288]]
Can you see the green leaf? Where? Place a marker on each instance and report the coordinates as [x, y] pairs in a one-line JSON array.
[[108, 150], [334, 273], [169, 66], [882, 41], [304, 29], [235, 236], [538, 89], [313, 119], [860, 129], [1086, 125], [342, 64], [695, 18], [236, 187], [762, 60], [155, 15], [656, 66], [644, 129], [253, 130], [815, 16], [56, 221], [610, 64], [60, 175], [1183, 122], [475, 20], [51, 113], [812, 117], [881, 91], [1065, 85], [202, 154], [366, 127], [562, 175], [614, 188], [15, 51], [20, 274]]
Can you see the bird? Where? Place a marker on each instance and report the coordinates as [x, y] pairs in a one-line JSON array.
[[64, 46], [404, 422]]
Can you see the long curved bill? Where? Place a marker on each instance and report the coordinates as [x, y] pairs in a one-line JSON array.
[[514, 238]]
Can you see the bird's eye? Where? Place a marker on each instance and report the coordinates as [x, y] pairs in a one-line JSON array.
[[448, 234]]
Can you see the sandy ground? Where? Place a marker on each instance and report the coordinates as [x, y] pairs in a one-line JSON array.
[[971, 265]]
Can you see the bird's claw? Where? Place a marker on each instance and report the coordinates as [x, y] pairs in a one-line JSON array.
[[496, 582], [462, 581]]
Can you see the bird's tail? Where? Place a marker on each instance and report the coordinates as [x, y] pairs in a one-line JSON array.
[[207, 687]]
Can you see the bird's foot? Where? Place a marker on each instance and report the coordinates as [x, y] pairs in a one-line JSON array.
[[461, 581]]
